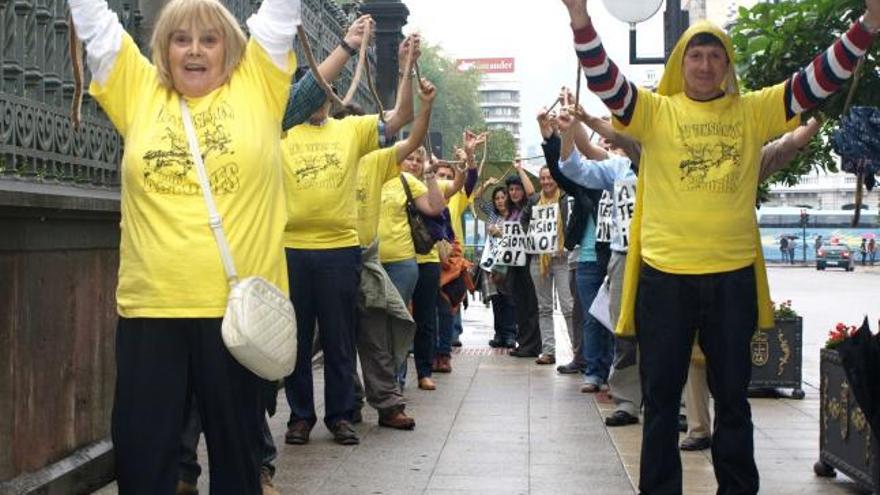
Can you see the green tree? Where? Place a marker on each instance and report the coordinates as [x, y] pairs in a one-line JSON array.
[[502, 145], [772, 41], [457, 107]]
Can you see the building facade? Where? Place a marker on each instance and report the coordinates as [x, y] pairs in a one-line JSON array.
[[499, 93]]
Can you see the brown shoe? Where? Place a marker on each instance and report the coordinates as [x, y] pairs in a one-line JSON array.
[[397, 420], [546, 359], [186, 488], [427, 384], [444, 364], [435, 364], [298, 433], [266, 483]]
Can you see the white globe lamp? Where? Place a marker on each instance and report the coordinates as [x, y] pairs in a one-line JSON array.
[[633, 11]]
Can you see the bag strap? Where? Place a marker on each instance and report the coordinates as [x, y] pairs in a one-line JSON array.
[[214, 219], [409, 198]]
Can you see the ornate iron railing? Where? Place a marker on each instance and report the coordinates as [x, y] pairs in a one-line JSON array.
[[37, 140]]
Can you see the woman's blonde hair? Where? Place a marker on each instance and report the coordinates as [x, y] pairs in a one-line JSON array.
[[205, 14]]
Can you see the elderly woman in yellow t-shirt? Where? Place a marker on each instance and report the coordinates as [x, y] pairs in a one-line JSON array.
[[172, 287]]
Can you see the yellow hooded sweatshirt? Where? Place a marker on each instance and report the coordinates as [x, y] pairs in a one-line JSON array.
[[695, 206]]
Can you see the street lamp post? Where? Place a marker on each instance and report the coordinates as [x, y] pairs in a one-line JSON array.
[[390, 17], [675, 22]]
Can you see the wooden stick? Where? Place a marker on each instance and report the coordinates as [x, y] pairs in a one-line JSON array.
[[577, 93]]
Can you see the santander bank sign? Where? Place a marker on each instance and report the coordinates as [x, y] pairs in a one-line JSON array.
[[487, 65]]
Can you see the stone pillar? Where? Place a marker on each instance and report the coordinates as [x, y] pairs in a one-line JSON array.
[[390, 17]]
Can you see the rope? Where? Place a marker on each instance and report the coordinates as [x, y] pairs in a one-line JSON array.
[[76, 57], [310, 57], [356, 80], [373, 92]]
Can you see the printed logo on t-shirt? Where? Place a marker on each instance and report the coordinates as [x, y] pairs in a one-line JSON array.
[[316, 165], [713, 156], [171, 170]]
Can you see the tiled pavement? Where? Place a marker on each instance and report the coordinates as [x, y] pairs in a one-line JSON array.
[[505, 425]]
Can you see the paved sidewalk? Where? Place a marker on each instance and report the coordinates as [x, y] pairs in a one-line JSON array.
[[500, 425]]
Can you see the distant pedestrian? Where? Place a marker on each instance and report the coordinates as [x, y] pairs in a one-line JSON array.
[[791, 249], [863, 250], [818, 244], [783, 248], [872, 251]]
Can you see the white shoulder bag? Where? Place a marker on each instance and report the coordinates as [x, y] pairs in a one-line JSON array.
[[259, 327], [600, 309]]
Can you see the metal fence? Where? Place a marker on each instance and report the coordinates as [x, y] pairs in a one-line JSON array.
[[37, 140]]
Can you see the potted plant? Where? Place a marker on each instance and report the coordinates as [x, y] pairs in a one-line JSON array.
[[777, 353], [845, 437]]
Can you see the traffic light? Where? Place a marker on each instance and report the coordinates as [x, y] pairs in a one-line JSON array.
[[805, 217]]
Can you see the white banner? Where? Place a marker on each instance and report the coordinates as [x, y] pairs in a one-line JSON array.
[[511, 249], [625, 203], [490, 254], [543, 229]]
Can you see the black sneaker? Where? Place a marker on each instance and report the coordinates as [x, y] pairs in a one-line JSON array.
[[495, 343], [569, 369], [691, 444], [344, 434], [455, 343], [621, 418]]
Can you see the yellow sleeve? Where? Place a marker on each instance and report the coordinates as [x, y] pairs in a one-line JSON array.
[[270, 83], [130, 78], [388, 165], [767, 112], [417, 187], [643, 116], [366, 128]]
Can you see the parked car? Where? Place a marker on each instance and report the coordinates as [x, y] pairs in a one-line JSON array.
[[839, 255]]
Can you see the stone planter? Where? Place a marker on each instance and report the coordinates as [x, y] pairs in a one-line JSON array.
[[845, 439], [777, 358]]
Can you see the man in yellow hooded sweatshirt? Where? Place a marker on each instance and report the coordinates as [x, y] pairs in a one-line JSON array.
[[695, 258]]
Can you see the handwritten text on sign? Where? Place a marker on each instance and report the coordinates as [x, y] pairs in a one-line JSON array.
[[511, 248], [542, 229]]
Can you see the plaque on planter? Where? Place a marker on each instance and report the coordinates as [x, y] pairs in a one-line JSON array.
[[846, 442], [777, 357]]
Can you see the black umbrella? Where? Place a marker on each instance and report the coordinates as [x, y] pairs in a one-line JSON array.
[[860, 355]]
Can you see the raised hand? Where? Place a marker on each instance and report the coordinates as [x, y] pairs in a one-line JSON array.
[[471, 140], [427, 92], [577, 12], [410, 44], [358, 30], [491, 181], [872, 15], [545, 122], [565, 118]]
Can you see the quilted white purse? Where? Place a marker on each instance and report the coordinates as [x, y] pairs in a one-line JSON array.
[[259, 327]]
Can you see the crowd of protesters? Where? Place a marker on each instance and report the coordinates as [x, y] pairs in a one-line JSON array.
[[365, 233]]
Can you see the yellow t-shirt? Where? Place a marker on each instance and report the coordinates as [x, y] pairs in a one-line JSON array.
[[434, 255], [374, 170], [395, 238], [457, 204], [320, 179], [169, 263], [700, 162]]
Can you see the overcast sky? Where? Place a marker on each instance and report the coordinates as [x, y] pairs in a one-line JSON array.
[[537, 34]]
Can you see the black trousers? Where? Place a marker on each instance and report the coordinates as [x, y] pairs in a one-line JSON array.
[[528, 334], [669, 310], [160, 364], [324, 289]]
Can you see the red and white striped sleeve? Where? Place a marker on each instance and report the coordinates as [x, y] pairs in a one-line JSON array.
[[827, 72], [603, 76]]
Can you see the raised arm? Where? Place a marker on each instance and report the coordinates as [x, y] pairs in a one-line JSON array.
[[478, 192], [433, 203], [99, 29], [273, 26], [603, 76], [829, 70], [402, 113], [427, 94], [779, 153], [528, 187], [603, 127], [471, 140]]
